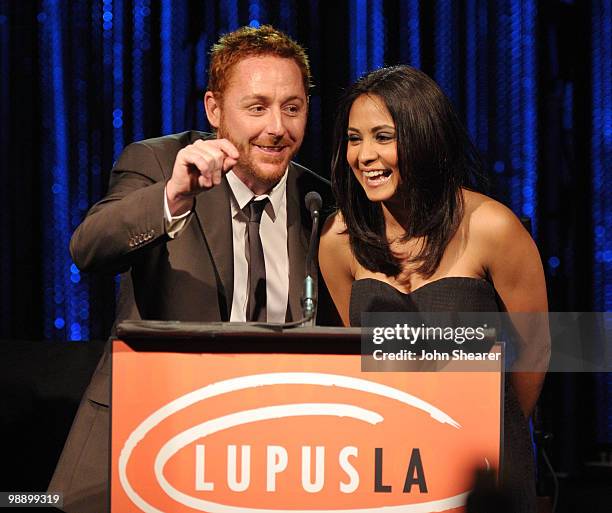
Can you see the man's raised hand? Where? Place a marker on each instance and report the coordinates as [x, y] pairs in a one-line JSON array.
[[198, 167]]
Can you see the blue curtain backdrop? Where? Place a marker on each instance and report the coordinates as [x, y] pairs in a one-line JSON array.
[[79, 79]]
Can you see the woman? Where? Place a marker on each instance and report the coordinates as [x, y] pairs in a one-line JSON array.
[[412, 233]]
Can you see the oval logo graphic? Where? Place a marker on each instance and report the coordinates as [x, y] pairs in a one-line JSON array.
[[260, 434]]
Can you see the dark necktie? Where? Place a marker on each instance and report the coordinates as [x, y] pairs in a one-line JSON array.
[[256, 306]]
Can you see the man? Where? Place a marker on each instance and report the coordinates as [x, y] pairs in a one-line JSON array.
[[204, 228]]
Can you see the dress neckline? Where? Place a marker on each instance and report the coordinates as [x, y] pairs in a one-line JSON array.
[[480, 281]]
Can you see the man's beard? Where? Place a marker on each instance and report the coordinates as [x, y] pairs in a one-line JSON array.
[[248, 167]]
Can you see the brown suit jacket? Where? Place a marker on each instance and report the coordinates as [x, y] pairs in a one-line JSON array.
[[189, 278]]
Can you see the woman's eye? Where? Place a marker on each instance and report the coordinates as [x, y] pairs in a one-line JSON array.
[[353, 138], [385, 137]]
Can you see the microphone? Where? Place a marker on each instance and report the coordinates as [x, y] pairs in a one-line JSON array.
[[314, 204]]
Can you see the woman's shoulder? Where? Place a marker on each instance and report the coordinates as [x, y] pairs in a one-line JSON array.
[[334, 246], [494, 232], [334, 239], [335, 227], [486, 217]]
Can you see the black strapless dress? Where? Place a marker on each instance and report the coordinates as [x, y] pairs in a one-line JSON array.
[[461, 294]]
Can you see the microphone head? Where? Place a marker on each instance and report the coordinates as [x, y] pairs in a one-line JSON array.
[[313, 202]]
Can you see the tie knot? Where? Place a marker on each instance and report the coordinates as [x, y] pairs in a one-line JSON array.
[[254, 209]]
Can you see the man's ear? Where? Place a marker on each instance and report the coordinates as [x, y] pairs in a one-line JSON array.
[[212, 106]]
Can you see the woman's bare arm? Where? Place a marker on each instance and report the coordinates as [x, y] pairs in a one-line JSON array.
[[512, 261]]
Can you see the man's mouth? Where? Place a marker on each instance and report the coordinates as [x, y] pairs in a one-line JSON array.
[[376, 177], [270, 149]]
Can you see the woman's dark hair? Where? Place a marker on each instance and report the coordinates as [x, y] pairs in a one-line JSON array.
[[435, 160]]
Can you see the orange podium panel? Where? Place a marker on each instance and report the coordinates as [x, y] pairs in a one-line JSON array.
[[265, 433]]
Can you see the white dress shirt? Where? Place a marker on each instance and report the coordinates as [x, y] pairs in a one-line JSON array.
[[273, 233]]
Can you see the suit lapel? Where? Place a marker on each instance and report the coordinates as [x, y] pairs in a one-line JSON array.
[[297, 244], [214, 213]]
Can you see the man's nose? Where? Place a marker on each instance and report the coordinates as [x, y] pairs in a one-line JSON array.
[[276, 125]]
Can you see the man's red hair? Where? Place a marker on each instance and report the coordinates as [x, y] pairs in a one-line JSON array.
[[251, 42]]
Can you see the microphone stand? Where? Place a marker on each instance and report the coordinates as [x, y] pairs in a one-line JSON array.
[[309, 300]]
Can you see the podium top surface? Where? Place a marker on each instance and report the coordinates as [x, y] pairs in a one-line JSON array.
[[225, 337]]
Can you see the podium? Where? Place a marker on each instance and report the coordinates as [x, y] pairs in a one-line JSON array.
[[229, 418]]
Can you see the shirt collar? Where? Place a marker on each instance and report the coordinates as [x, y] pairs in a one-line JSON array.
[[242, 194]]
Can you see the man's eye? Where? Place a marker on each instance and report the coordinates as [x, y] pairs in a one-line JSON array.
[[256, 109], [292, 110]]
